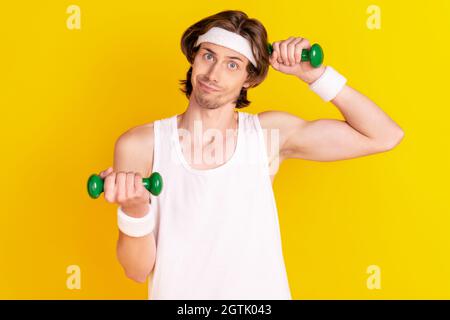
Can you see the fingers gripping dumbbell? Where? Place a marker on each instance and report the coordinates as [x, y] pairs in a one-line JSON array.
[[95, 184], [313, 55]]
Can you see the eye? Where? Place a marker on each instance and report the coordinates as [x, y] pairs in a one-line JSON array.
[[234, 65], [207, 54]]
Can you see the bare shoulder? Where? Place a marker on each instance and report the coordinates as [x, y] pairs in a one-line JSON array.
[[273, 123], [281, 121], [274, 119], [133, 150]]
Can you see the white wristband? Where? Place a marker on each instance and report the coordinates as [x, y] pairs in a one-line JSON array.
[[135, 227], [329, 84]]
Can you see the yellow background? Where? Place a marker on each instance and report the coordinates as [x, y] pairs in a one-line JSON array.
[[66, 95]]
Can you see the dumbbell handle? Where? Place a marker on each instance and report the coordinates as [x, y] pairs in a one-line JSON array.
[[313, 55], [153, 184]]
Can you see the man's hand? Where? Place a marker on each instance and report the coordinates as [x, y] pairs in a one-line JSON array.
[[127, 190], [286, 58]]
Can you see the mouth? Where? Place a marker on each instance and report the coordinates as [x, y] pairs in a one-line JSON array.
[[206, 88]]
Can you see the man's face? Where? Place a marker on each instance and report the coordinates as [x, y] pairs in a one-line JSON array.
[[223, 69]]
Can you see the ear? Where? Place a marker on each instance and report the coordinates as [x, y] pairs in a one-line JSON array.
[[248, 82]]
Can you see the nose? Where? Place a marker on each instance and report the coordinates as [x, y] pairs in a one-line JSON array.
[[213, 73]]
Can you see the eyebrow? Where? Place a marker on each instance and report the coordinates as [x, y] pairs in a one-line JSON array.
[[225, 57]]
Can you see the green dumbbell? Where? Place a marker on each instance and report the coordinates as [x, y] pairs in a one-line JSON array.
[[153, 184], [313, 55]]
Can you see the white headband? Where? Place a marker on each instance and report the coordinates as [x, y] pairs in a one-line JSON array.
[[229, 40]]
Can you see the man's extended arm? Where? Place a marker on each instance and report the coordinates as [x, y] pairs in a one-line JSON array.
[[367, 129]]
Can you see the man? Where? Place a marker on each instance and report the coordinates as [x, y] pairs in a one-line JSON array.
[[213, 232]]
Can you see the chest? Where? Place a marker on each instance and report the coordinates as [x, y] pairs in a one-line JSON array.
[[216, 153]]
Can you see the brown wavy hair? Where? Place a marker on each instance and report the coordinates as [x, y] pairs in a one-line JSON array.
[[238, 22]]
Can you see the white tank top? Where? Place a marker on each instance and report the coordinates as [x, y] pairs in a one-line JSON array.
[[217, 233]]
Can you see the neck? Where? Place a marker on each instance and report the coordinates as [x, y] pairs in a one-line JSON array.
[[223, 120]]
